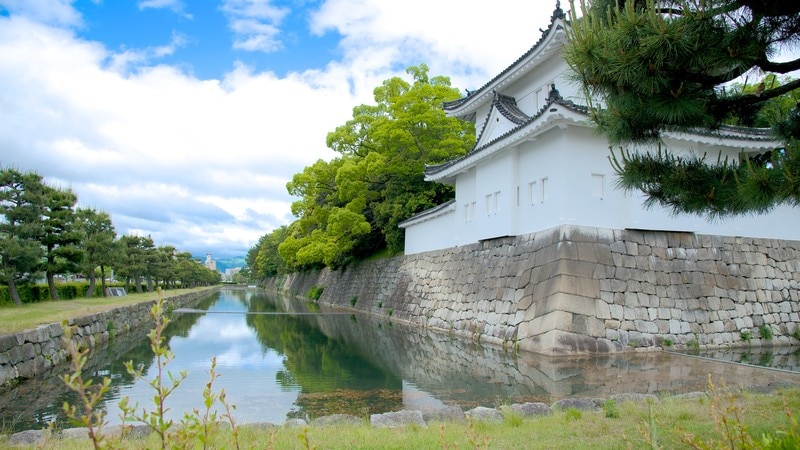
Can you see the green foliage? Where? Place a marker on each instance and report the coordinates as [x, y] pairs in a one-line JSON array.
[[765, 331], [668, 343], [693, 345], [22, 200], [746, 335], [658, 66], [796, 333], [34, 293], [353, 300], [655, 71], [572, 414], [349, 207], [315, 292], [155, 419], [610, 409], [511, 418], [90, 396], [389, 312]]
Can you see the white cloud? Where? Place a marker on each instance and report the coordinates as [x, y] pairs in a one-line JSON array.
[[202, 164], [53, 12], [175, 6], [255, 24]]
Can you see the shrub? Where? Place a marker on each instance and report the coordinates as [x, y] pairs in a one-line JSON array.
[[746, 335], [765, 331], [610, 409], [353, 301], [315, 292]]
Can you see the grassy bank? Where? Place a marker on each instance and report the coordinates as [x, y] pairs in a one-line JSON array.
[[19, 318], [672, 423]]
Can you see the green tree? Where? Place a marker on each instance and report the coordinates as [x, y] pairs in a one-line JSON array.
[[61, 235], [21, 228], [263, 259], [667, 65], [98, 245], [135, 259], [350, 206]]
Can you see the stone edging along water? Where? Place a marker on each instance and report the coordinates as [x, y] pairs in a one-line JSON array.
[[29, 353], [405, 418], [577, 290]]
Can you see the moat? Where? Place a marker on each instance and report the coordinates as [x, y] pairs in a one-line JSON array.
[[282, 358]]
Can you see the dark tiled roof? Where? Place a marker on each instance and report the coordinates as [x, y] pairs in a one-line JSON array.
[[553, 98], [428, 212], [733, 132], [507, 106], [558, 13]]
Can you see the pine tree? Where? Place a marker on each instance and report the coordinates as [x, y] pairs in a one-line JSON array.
[[667, 65]]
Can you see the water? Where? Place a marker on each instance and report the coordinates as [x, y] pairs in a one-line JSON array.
[[280, 358]]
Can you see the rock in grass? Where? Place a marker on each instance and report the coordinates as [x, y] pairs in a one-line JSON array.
[[448, 414], [397, 419], [531, 409], [337, 419], [484, 414], [579, 403], [28, 437]]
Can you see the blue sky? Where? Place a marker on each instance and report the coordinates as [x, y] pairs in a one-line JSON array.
[[185, 120], [204, 37]]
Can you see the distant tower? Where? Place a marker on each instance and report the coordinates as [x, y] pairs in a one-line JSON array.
[[210, 263]]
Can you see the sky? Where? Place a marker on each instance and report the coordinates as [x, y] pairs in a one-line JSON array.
[[184, 120]]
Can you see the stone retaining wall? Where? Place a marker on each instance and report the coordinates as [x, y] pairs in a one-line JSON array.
[[573, 290], [30, 353]]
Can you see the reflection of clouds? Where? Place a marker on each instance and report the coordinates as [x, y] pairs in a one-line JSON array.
[[221, 327], [234, 357]]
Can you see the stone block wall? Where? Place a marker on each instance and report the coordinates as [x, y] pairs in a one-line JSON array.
[[574, 290], [30, 353]]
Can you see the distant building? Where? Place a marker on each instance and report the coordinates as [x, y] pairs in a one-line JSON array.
[[210, 263], [230, 273]]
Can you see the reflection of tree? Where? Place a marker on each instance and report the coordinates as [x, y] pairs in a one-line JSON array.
[[35, 402], [332, 377]]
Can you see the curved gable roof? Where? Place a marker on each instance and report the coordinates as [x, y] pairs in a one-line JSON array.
[[555, 105], [468, 104]]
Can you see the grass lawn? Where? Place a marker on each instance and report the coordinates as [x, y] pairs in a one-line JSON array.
[[714, 422], [18, 318]]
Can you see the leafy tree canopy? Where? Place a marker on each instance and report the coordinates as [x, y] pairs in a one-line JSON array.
[[349, 207], [673, 65]]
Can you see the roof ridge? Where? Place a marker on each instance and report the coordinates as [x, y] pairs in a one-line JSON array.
[[558, 13]]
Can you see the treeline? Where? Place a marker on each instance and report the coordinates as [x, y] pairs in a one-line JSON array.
[[43, 233], [349, 207]]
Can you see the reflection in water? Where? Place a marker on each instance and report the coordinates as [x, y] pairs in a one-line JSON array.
[[275, 367], [783, 358]]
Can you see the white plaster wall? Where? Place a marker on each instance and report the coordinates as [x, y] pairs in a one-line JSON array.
[[565, 178], [531, 90], [433, 234], [463, 229], [494, 188]]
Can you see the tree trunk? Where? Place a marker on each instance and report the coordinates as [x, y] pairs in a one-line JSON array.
[[138, 281], [149, 283], [103, 280], [90, 289], [51, 285], [12, 289]]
